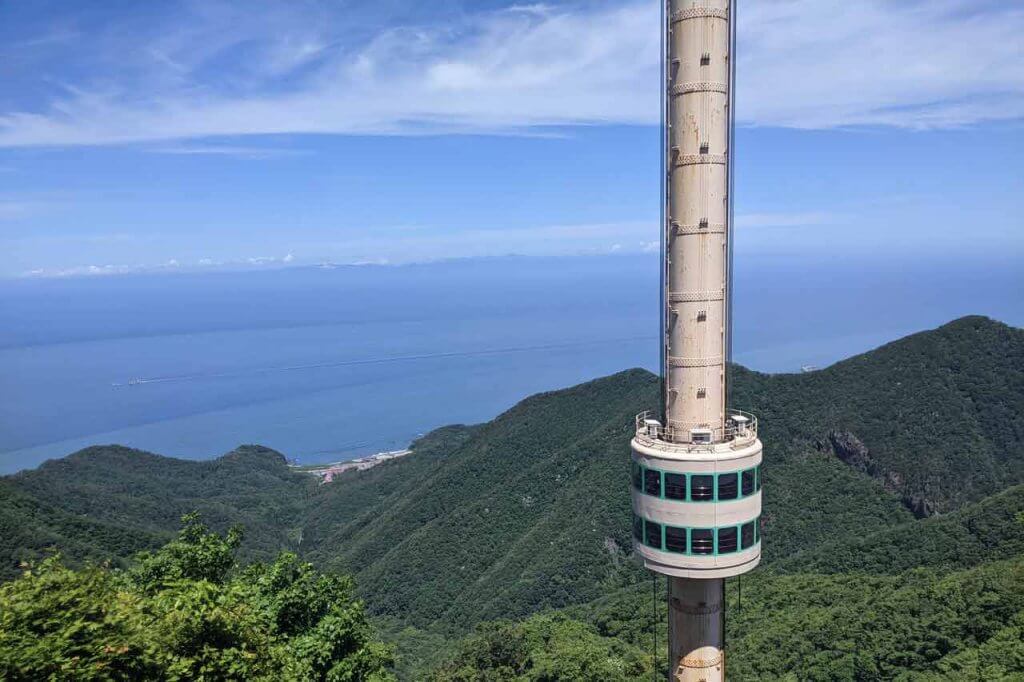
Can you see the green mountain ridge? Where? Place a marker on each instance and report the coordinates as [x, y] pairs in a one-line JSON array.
[[908, 456], [107, 502], [940, 413], [989, 530]]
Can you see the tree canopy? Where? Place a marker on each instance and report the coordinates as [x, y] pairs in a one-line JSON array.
[[187, 612]]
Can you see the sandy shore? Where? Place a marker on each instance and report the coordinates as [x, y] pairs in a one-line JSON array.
[[329, 471]]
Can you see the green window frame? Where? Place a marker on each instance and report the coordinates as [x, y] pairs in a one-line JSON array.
[[747, 535], [660, 533], [676, 484], [748, 482], [697, 484], [645, 480], [653, 483], [729, 536], [654, 532]]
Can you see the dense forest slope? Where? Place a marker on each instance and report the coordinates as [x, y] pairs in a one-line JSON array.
[[989, 530], [937, 417], [919, 624], [955, 615], [530, 511], [109, 502], [941, 598]]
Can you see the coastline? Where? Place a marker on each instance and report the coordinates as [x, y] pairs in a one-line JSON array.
[[327, 472]]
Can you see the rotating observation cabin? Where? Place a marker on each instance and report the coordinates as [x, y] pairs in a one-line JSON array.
[[696, 466]]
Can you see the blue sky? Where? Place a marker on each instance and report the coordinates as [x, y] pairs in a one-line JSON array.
[[181, 135]]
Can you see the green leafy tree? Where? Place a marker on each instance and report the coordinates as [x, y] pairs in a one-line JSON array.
[[186, 612], [546, 648]]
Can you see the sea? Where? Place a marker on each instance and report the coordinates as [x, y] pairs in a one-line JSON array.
[[329, 363]]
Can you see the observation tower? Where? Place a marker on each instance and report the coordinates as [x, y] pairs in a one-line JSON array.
[[696, 463]]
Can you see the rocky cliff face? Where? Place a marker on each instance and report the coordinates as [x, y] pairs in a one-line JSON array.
[[852, 451]]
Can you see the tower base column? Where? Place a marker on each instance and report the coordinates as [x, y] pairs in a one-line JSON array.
[[696, 627]]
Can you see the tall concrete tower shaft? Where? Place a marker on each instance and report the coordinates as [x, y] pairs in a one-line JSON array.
[[699, 79], [696, 469]]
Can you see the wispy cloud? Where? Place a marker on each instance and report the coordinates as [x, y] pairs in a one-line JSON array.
[[829, 63], [240, 152], [214, 69], [409, 244], [102, 270], [171, 265]]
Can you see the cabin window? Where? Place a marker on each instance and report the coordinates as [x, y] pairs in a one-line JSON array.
[[702, 488], [758, 485], [652, 532], [702, 393], [747, 534], [637, 473], [705, 59], [703, 540], [727, 540], [702, 315], [652, 482], [704, 148], [675, 486], [748, 482], [638, 528], [675, 540], [727, 487]]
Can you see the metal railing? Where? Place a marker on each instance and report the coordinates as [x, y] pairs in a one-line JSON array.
[[736, 432]]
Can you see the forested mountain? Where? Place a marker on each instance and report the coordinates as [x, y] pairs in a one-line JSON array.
[[919, 624], [109, 502], [530, 511], [937, 417], [902, 458], [990, 530]]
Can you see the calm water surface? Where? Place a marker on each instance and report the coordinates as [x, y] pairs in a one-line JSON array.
[[329, 364]]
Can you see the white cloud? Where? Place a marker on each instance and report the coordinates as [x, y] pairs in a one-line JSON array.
[[170, 265], [241, 152], [803, 63], [830, 63]]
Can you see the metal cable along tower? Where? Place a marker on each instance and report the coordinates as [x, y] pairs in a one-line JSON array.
[[696, 478]]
